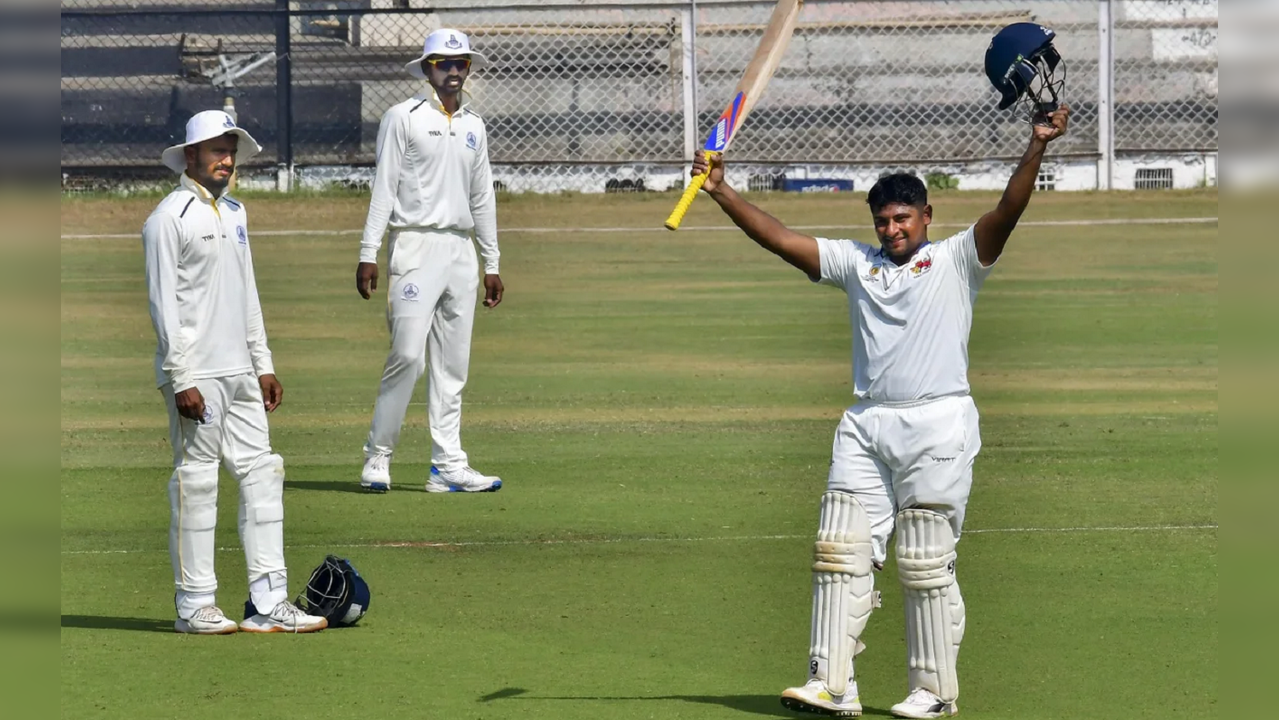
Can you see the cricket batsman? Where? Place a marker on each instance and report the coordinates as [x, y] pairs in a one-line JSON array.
[[902, 459]]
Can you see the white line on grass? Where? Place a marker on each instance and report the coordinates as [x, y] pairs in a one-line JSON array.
[[427, 545], [716, 228]]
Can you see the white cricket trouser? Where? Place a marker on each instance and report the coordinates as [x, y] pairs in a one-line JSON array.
[[233, 433], [894, 457], [430, 311]]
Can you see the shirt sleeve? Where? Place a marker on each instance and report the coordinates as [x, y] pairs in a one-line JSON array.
[[963, 249], [837, 262], [254, 325], [392, 139], [484, 208], [161, 245]]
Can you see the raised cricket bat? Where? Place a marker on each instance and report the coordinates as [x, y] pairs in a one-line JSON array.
[[760, 70]]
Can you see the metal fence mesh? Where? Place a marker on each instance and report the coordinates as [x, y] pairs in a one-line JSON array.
[[590, 83], [1166, 75]]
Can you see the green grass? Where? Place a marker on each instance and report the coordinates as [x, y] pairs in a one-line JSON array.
[[661, 407]]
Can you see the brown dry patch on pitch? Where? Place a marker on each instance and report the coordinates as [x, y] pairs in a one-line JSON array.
[[653, 419], [551, 418], [646, 210], [1188, 286], [327, 416], [157, 420], [553, 359], [1197, 406], [123, 365], [82, 311], [1158, 380]]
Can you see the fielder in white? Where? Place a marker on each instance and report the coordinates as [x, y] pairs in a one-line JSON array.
[[214, 369], [903, 454], [433, 188]]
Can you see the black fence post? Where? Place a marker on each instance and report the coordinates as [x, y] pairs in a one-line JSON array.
[[283, 95]]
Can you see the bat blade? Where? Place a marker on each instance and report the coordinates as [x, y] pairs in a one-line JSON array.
[[768, 55]]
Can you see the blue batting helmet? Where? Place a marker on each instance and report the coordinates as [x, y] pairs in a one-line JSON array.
[[337, 592], [1023, 65]]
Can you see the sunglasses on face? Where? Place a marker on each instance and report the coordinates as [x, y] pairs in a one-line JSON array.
[[447, 64]]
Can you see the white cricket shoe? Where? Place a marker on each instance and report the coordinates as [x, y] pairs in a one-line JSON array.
[[376, 476], [207, 621], [463, 479], [813, 697], [922, 703], [285, 617]]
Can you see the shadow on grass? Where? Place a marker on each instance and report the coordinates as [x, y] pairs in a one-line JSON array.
[[102, 622], [342, 486], [767, 705]]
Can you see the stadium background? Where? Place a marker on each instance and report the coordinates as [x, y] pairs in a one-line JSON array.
[[597, 96]]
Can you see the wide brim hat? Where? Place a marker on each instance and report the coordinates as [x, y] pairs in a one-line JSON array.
[[449, 43], [206, 126]]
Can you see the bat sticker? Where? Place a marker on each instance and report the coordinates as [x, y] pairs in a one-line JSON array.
[[718, 139]]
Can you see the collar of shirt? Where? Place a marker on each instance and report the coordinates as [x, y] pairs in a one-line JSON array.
[[429, 94], [203, 193], [881, 257]]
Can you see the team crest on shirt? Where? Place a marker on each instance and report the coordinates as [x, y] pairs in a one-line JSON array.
[[411, 292], [471, 141], [242, 234], [921, 266]]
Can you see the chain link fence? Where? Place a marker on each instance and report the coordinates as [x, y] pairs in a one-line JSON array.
[[1165, 60], [581, 94]]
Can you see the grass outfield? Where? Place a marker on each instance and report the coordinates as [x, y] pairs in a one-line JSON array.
[[661, 407]]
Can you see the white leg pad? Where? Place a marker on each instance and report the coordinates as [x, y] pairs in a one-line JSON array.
[[934, 606], [843, 589], [262, 530], [193, 506]]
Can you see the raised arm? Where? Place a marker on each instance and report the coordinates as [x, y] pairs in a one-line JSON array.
[[995, 227], [797, 249]]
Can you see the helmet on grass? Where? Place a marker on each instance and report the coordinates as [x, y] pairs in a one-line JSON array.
[[337, 592]]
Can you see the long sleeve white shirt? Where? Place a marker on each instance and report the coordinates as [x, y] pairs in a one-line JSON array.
[[201, 289], [432, 173]]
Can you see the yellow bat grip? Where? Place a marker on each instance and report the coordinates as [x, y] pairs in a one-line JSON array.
[[681, 207]]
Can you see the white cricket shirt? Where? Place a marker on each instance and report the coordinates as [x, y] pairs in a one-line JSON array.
[[432, 173], [201, 289], [910, 324]]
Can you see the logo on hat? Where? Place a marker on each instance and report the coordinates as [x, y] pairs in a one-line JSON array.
[[228, 122], [452, 43]]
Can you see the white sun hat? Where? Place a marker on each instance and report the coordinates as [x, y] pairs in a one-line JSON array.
[[206, 126], [445, 42]]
